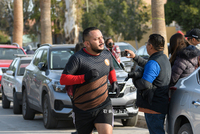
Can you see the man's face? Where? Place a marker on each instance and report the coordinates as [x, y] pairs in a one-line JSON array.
[[110, 43], [95, 42], [193, 41]]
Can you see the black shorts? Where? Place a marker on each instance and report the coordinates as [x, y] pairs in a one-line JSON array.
[[84, 122]]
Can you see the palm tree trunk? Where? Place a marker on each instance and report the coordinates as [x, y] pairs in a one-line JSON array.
[[158, 20], [45, 20], [18, 22]]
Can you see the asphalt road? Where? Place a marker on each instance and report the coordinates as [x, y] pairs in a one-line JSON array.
[[15, 124]]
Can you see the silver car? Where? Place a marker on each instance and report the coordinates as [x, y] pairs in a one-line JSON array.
[[184, 108], [11, 83], [41, 89]]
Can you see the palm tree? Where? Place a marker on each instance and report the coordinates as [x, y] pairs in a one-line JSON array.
[[45, 20], [18, 22], [158, 20]]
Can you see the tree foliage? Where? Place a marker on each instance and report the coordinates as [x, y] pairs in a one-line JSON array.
[[184, 12], [114, 17], [4, 39]]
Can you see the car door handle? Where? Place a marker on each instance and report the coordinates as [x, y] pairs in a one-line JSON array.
[[196, 103]]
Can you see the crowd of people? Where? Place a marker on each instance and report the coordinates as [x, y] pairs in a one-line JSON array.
[[89, 69], [159, 73]]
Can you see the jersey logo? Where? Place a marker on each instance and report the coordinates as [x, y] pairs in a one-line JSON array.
[[107, 62]]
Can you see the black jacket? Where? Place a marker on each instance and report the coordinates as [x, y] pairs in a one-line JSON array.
[[154, 96]]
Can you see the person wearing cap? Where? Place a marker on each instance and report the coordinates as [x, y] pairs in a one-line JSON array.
[[193, 36], [114, 49], [184, 58]]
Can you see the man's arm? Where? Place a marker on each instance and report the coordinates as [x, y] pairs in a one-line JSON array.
[[151, 71], [141, 61]]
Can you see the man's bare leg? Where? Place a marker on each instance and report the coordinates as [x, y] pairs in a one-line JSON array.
[[103, 128]]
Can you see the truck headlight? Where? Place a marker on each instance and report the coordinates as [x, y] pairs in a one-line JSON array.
[[58, 88]]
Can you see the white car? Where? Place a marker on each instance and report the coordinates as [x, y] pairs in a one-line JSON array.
[[11, 83], [184, 107], [127, 62]]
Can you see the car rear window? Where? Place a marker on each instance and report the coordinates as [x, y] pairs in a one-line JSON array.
[[8, 53], [23, 64]]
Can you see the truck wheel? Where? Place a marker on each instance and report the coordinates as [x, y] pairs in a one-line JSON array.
[[185, 129], [48, 120], [130, 122], [17, 108], [28, 113], [5, 101]]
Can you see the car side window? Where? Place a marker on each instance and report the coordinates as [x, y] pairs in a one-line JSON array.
[[37, 58], [44, 57]]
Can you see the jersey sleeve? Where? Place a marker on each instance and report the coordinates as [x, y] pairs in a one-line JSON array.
[[68, 76]]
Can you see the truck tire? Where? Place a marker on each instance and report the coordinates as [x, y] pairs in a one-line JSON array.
[[48, 120], [28, 113], [5, 101], [17, 108]]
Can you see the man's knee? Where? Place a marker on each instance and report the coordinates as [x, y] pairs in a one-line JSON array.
[[104, 128]]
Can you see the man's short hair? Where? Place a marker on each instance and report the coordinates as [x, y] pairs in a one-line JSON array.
[[157, 41], [87, 30]]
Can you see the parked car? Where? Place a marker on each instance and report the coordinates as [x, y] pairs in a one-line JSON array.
[[183, 117], [11, 83], [127, 62], [42, 92], [6, 57]]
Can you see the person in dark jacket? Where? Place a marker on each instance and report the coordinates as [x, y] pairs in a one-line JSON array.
[[29, 50], [184, 57], [152, 83]]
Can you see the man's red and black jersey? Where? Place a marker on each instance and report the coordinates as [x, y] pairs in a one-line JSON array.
[[92, 94]]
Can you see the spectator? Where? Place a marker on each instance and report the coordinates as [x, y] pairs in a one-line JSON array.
[[29, 50], [193, 36], [152, 83], [184, 57], [79, 46], [88, 70], [38, 45], [113, 48]]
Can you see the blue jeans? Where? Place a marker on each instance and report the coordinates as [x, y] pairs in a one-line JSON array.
[[155, 123]]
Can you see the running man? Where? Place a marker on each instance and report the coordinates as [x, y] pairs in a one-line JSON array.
[[88, 70]]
